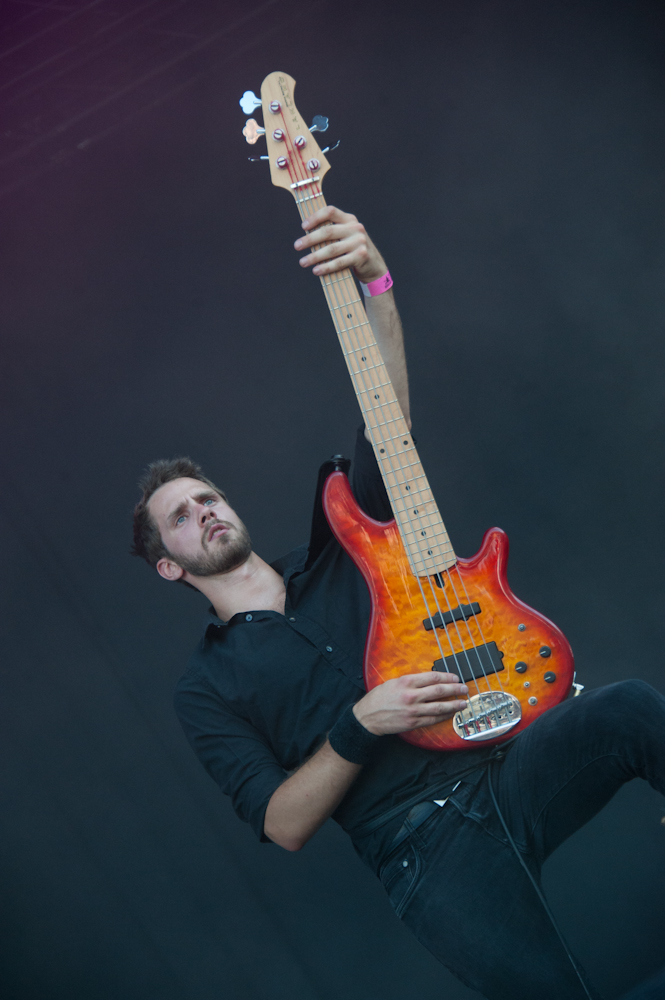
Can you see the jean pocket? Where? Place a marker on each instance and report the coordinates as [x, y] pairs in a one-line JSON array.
[[399, 876]]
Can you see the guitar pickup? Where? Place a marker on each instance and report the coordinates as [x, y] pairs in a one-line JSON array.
[[458, 614], [472, 664]]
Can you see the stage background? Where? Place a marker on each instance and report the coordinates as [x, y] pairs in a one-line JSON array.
[[507, 157]]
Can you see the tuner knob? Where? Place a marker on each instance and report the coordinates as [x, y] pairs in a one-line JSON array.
[[319, 124], [252, 131], [545, 651], [282, 162], [549, 677], [275, 107], [313, 165], [278, 135], [249, 101], [520, 667], [300, 141]]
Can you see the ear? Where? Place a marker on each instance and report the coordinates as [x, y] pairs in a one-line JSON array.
[[169, 570]]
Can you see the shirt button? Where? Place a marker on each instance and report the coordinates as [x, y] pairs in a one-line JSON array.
[[328, 649], [291, 619], [248, 618]]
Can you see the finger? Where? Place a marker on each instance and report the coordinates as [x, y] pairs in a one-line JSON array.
[[331, 233], [327, 214], [438, 692], [447, 712], [430, 677], [335, 264], [350, 249]]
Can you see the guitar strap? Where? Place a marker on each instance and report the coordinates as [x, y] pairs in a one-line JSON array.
[[321, 532]]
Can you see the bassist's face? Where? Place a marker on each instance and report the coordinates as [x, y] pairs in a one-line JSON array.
[[202, 534]]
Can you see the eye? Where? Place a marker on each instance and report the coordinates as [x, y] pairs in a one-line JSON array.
[[180, 519], [208, 502]]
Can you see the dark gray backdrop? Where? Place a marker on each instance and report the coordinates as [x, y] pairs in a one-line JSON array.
[[508, 159]]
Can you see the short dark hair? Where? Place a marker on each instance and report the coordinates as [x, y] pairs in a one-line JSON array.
[[148, 542]]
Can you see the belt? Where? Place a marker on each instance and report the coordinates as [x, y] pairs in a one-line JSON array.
[[417, 816], [423, 810]]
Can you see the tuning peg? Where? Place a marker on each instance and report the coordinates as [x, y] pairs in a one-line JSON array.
[[319, 124], [329, 149], [252, 131], [255, 159], [249, 101]]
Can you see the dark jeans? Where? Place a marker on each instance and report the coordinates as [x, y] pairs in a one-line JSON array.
[[456, 881]]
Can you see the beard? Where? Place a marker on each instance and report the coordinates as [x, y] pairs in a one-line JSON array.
[[229, 552]]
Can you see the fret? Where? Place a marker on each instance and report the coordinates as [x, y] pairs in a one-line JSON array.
[[410, 465], [406, 510], [407, 482], [367, 368], [345, 305], [379, 385], [427, 540], [354, 326], [308, 197]]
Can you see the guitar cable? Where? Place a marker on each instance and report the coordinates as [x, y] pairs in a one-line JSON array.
[[535, 885]]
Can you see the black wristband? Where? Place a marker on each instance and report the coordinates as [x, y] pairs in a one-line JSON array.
[[350, 739]]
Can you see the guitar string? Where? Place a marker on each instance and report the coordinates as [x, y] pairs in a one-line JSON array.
[[350, 302], [330, 291], [353, 302], [462, 654], [461, 579]]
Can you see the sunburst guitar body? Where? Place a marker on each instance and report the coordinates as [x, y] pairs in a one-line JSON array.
[[431, 610], [516, 662]]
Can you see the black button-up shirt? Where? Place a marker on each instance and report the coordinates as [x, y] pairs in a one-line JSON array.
[[262, 690]]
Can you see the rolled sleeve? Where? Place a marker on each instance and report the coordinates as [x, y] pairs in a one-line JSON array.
[[232, 751]]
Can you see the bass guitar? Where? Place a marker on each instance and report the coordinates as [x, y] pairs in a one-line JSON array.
[[431, 610]]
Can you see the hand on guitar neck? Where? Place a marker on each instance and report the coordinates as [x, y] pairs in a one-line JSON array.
[[336, 241]]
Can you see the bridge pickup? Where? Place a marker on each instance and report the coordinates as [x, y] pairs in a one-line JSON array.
[[459, 614], [473, 663]]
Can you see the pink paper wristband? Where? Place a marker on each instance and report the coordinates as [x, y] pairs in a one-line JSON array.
[[379, 286]]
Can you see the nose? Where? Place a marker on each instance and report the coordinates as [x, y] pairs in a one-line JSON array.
[[206, 515]]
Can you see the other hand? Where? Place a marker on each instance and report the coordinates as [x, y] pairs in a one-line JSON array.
[[409, 702], [337, 240]]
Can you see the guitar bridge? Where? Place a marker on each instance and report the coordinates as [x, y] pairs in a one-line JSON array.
[[487, 716]]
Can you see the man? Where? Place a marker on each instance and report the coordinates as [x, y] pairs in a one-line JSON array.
[[274, 706]]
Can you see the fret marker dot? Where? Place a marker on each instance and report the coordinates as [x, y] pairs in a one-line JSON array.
[[415, 511], [405, 442], [423, 532], [348, 315], [376, 397], [382, 450], [407, 487], [363, 359], [429, 552]]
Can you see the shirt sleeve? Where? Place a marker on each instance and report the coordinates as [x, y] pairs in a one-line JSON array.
[[367, 482], [232, 751]]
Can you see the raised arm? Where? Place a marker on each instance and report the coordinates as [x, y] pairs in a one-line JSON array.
[[352, 247]]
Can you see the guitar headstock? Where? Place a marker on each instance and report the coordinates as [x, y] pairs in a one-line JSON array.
[[296, 161]]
